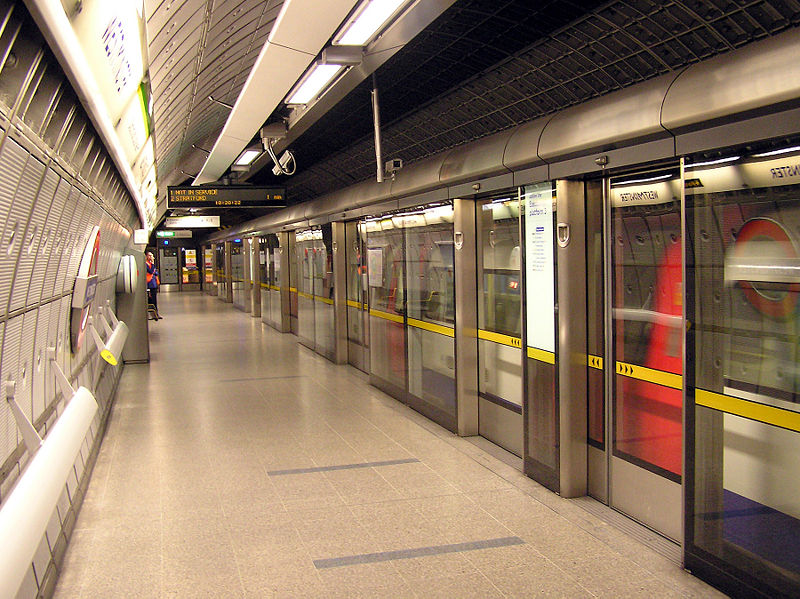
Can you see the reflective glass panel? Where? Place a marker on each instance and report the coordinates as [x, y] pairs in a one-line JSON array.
[[647, 319], [743, 220]]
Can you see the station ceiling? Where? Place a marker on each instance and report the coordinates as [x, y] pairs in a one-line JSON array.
[[481, 67]]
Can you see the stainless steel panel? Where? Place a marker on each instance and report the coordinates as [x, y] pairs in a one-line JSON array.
[[340, 292], [470, 188], [639, 153], [735, 83], [623, 117], [572, 386], [597, 484], [419, 176], [479, 159], [523, 146], [501, 426], [647, 497], [466, 331]]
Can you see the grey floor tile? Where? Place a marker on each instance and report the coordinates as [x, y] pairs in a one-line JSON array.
[[182, 502]]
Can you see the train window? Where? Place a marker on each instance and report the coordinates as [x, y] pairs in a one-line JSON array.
[[743, 266]]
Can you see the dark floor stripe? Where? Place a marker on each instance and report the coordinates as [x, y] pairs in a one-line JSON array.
[[386, 556], [341, 467], [262, 378]]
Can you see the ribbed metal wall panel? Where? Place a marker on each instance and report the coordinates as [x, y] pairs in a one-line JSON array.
[[25, 363], [9, 372], [27, 280], [58, 221], [40, 368], [41, 285], [24, 199], [12, 163]]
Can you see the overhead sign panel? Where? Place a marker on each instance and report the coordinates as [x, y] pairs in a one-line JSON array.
[[191, 222], [186, 234], [228, 196]]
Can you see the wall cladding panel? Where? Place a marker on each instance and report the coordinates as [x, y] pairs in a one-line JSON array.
[[50, 188], [40, 390], [19, 217], [12, 163], [25, 288], [9, 371], [25, 363], [58, 223]]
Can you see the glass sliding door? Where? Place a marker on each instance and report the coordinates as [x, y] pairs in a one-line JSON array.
[[357, 305], [387, 305], [430, 311], [305, 257], [324, 327], [500, 321], [743, 396]]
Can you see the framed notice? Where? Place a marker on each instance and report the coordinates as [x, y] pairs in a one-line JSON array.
[[375, 266], [539, 267]]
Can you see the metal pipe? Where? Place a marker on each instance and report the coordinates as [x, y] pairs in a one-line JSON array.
[[376, 118]]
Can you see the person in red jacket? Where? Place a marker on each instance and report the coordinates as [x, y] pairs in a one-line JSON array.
[[152, 283]]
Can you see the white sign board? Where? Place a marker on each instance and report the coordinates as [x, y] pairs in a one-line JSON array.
[[375, 266], [539, 271], [140, 236], [191, 222]]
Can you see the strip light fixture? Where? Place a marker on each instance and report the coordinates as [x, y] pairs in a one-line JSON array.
[[371, 17], [317, 79], [246, 157]]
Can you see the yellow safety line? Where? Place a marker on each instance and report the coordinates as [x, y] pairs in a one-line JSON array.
[[305, 295], [354, 304], [748, 409], [386, 315], [274, 288], [293, 289], [650, 375], [595, 361], [324, 300], [264, 286], [500, 338], [542, 355], [434, 328]]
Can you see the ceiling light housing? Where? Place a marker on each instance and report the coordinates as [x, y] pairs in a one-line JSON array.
[[367, 22]]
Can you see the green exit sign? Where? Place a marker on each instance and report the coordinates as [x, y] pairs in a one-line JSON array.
[[165, 233]]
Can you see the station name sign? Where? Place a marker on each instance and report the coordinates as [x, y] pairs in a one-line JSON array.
[[226, 196]]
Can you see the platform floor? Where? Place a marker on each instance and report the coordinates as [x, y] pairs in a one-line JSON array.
[[240, 464]]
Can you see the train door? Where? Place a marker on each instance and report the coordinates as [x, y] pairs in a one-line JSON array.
[[219, 269], [293, 282], [305, 251], [635, 343], [499, 321], [263, 278], [387, 306], [357, 300]]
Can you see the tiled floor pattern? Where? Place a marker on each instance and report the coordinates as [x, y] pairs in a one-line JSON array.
[[240, 464]]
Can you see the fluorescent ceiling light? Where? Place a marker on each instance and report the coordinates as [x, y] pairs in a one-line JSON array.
[[711, 162], [368, 22], [777, 152], [645, 180], [320, 76], [246, 157]]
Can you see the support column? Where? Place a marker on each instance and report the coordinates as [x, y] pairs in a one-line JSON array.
[[466, 334], [285, 256], [255, 276], [572, 384], [228, 273], [340, 292]]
